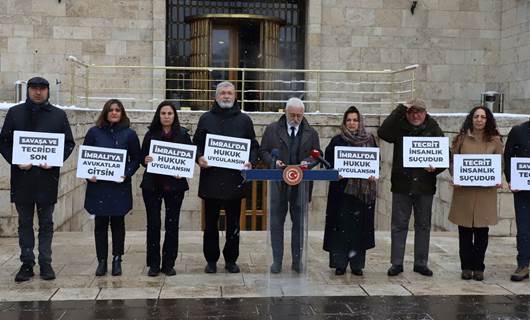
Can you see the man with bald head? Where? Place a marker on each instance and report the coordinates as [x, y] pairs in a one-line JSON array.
[[294, 138]]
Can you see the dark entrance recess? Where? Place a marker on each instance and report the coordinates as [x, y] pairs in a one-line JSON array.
[[234, 42]]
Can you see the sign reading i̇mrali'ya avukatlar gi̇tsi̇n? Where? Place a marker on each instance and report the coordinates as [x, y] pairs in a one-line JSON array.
[[226, 152], [38, 148], [357, 162], [103, 163], [422, 152], [172, 159]]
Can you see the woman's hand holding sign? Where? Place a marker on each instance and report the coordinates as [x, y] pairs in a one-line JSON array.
[[148, 159], [203, 163]]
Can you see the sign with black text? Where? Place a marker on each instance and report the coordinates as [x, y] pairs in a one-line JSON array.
[[357, 162], [38, 148], [226, 152], [520, 173], [482, 170], [103, 163], [172, 159], [422, 152]]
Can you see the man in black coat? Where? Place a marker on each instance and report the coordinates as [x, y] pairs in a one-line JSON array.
[[518, 146], [294, 139], [411, 187], [221, 187], [35, 185]]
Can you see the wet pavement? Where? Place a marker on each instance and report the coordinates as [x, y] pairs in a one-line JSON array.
[[377, 307], [256, 294]]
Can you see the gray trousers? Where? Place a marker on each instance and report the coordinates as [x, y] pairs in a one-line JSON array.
[[283, 197], [402, 205]]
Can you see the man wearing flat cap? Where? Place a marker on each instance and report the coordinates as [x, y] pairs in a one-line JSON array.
[[411, 187], [35, 186]]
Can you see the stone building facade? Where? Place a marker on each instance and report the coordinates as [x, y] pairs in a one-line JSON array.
[[463, 47], [70, 215]]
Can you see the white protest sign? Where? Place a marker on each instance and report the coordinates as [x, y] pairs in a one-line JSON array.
[[103, 163], [482, 170], [172, 159], [422, 152], [226, 152], [520, 173], [38, 148], [357, 162]]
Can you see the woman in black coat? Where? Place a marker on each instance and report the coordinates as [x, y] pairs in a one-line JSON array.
[[349, 230], [155, 187], [110, 201]]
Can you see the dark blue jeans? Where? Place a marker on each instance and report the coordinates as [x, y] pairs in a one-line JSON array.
[[26, 237], [521, 201]]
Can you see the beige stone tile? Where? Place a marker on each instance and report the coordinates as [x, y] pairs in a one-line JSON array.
[[61, 282], [169, 292], [385, 290], [455, 288], [250, 291], [516, 287], [128, 293], [76, 294], [217, 279], [127, 282], [27, 294]]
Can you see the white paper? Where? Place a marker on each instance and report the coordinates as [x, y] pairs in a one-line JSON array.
[[520, 173], [482, 170], [357, 162], [422, 152], [38, 148], [226, 152], [103, 163], [172, 159]]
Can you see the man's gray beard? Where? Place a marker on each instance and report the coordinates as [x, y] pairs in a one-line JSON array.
[[225, 105]]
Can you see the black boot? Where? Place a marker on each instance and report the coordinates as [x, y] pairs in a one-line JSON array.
[[116, 266], [101, 270]]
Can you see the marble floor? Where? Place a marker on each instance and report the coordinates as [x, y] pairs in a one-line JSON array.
[[75, 263]]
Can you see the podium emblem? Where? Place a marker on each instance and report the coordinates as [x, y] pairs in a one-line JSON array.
[[292, 175]]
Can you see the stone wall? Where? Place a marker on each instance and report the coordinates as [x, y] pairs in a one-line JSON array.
[[455, 42], [36, 37], [514, 70], [70, 215]]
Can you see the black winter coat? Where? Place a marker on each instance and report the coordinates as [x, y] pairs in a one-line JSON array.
[[222, 183], [34, 185], [149, 179], [517, 146], [109, 198], [392, 130], [334, 205]]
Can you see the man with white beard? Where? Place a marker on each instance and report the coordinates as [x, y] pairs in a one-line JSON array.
[[220, 187]]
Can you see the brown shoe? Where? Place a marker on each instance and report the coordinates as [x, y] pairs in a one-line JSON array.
[[478, 275], [467, 274], [520, 274]]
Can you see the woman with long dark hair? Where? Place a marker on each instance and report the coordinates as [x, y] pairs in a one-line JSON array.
[[110, 201], [474, 209], [156, 187], [350, 209]]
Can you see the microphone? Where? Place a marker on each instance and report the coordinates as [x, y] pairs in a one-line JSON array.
[[315, 154], [275, 154]]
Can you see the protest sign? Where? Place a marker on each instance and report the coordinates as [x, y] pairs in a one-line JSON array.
[[172, 159], [482, 170], [226, 152], [38, 148], [520, 173], [422, 152], [357, 162], [103, 163]]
